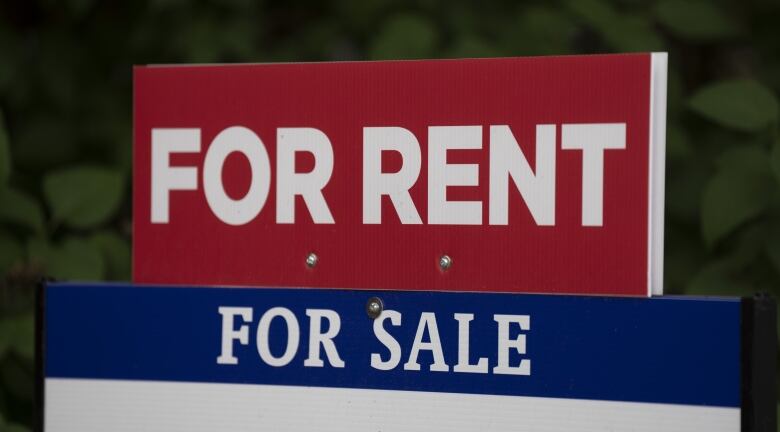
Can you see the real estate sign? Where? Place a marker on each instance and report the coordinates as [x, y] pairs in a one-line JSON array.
[[517, 174], [130, 358]]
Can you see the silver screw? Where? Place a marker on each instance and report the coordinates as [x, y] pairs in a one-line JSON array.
[[311, 260], [445, 262], [374, 307]]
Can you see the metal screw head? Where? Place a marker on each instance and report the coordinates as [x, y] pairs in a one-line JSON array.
[[445, 262], [311, 260], [374, 307]]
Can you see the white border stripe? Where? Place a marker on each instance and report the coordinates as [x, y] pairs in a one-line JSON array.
[[124, 406], [657, 171]]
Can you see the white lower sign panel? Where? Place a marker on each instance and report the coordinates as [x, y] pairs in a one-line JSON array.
[[128, 358], [124, 406]]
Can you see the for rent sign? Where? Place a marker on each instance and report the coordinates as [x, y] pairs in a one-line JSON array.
[[524, 174]]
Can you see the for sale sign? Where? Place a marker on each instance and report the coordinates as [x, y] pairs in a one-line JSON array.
[[136, 358], [518, 174]]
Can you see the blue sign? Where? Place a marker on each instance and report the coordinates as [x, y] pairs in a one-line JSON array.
[[285, 358]]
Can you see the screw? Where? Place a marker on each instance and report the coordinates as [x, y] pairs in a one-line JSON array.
[[445, 262], [311, 260], [374, 307]]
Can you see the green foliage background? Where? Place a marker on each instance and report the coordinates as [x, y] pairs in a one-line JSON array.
[[65, 119]]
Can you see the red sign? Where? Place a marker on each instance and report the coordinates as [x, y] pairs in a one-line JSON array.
[[520, 174]]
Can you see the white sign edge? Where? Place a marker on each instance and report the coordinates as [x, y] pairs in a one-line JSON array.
[[657, 170]]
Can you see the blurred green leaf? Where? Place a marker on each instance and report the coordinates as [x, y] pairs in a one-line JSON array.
[[42, 142], [773, 247], [775, 159], [731, 198], [632, 34], [10, 47], [83, 197], [748, 158], [541, 30], [677, 145], [12, 427], [15, 427], [116, 254], [202, 39], [17, 334], [17, 377], [746, 248], [695, 20], [687, 179], [163, 4], [715, 280], [360, 14], [622, 32], [5, 153], [472, 47], [20, 209], [740, 104], [24, 337], [74, 259], [675, 102], [405, 36], [595, 13], [684, 256], [63, 55], [81, 7], [721, 276], [11, 252]]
